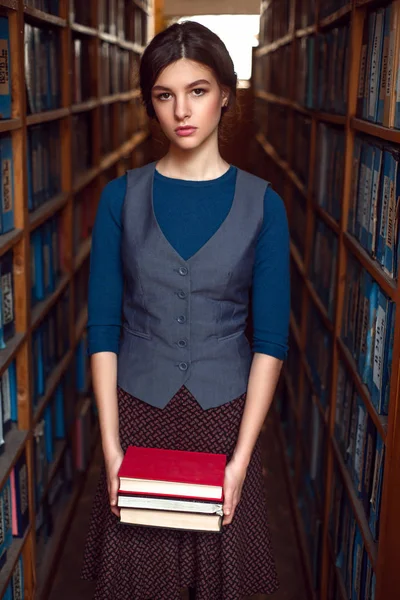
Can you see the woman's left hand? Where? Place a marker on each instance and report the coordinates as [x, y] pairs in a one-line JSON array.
[[235, 474]]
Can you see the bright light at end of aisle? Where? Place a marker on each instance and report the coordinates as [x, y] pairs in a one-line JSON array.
[[238, 32]]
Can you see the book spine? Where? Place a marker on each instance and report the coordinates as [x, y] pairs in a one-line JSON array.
[[5, 70], [384, 64], [7, 184]]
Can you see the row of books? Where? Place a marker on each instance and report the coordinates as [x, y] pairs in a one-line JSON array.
[[272, 122], [274, 21], [50, 342], [124, 19], [329, 169], [351, 557], [314, 437], [15, 589], [117, 67], [329, 7], [361, 447], [271, 72], [8, 403], [322, 67], [305, 13], [6, 184], [42, 68], [368, 330], [375, 194], [323, 265], [7, 312], [14, 506], [48, 6], [379, 79], [319, 355], [44, 163], [46, 258]]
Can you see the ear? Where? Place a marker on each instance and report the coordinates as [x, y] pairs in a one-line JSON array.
[[225, 99]]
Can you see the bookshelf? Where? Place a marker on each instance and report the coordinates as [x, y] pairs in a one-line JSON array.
[[76, 121], [315, 72]]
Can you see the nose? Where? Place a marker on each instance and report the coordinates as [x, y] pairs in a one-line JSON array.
[[182, 108]]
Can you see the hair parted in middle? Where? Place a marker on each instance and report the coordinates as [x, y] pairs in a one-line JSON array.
[[195, 42]]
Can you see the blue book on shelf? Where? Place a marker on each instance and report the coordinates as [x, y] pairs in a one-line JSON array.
[[5, 399], [358, 217], [387, 366], [59, 413], [354, 184], [12, 382], [7, 295], [19, 495], [18, 580], [376, 62], [365, 195], [384, 64], [8, 595], [48, 433], [366, 362], [37, 350], [29, 170], [377, 488], [7, 513], [376, 179], [382, 316], [368, 467], [390, 254], [5, 70], [37, 243], [389, 168], [358, 554], [371, 34], [7, 184]]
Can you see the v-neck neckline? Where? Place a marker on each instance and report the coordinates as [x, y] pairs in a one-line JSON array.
[[223, 225]]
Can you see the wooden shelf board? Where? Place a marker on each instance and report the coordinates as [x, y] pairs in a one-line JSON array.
[[370, 545], [320, 306], [8, 354], [48, 115], [11, 5], [84, 29], [286, 39], [336, 16], [83, 253], [310, 30], [44, 17], [301, 537], [10, 124], [142, 6], [133, 143], [111, 99], [85, 106], [15, 441], [383, 133], [380, 421], [331, 118], [108, 37], [47, 210], [80, 324], [273, 98], [270, 150], [126, 96], [8, 240], [371, 265], [51, 386], [133, 46], [297, 182], [84, 179], [297, 259], [302, 109], [326, 217], [40, 310], [13, 553], [109, 160]]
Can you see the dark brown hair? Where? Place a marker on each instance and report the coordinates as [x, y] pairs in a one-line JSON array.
[[192, 41]]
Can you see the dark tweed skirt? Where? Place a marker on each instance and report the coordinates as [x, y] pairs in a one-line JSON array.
[[139, 563]]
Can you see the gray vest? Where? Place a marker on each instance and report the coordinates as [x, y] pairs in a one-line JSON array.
[[184, 320]]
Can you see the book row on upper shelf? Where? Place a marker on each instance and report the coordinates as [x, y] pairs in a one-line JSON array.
[[49, 6], [274, 21], [322, 69]]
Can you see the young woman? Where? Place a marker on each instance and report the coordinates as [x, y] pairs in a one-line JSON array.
[[177, 245]]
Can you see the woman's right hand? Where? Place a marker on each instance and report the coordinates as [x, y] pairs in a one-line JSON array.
[[112, 464]]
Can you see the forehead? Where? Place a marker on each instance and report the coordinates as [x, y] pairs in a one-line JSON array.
[[183, 72]]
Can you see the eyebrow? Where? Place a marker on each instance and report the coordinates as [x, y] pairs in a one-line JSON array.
[[194, 84]]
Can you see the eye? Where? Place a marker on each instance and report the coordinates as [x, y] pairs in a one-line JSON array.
[[199, 92], [164, 96]]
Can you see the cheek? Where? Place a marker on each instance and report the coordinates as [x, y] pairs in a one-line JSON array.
[[212, 109]]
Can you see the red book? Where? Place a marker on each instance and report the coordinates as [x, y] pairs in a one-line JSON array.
[[177, 473]]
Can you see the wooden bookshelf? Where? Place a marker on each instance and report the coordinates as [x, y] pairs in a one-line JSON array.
[[129, 150], [384, 555]]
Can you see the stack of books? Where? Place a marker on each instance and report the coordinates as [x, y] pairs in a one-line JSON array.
[[173, 489]]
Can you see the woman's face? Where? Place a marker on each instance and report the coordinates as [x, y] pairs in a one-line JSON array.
[[187, 101]]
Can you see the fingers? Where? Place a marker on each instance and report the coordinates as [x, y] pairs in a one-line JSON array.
[[113, 495], [230, 503]]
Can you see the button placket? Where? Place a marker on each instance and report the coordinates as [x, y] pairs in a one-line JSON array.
[[182, 342]]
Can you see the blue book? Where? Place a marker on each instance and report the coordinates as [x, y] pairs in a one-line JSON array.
[[365, 195], [18, 580], [358, 554], [8, 595], [38, 366], [11, 375], [59, 430], [390, 254], [367, 361], [7, 513], [48, 268], [5, 70], [7, 184], [37, 265], [29, 170], [376, 61], [368, 61], [382, 316], [377, 488], [5, 399], [387, 367], [384, 64], [361, 418], [389, 168], [369, 455], [48, 433], [351, 228], [360, 191]]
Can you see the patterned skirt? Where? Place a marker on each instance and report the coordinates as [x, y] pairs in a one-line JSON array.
[[140, 563]]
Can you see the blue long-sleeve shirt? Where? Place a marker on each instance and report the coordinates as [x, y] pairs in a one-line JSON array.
[[189, 213]]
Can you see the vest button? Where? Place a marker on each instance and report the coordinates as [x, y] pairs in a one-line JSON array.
[[182, 343], [182, 294], [183, 271], [183, 366], [181, 319]]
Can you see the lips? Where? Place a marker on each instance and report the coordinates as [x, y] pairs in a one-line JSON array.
[[187, 130]]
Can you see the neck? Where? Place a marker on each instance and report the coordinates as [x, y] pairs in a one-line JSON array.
[[199, 164]]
